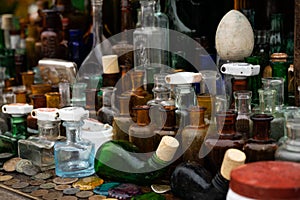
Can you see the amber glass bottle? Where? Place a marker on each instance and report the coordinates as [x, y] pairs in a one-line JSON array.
[[260, 147]]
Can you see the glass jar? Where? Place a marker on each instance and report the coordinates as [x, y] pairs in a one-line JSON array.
[[107, 112]]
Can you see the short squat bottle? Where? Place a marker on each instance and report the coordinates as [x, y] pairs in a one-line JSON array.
[[260, 147], [75, 156]]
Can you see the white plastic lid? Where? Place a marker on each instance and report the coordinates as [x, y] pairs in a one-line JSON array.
[[73, 114], [110, 64], [183, 78], [17, 108], [45, 114]]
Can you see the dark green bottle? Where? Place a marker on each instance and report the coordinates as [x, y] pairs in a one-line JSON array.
[[121, 161]]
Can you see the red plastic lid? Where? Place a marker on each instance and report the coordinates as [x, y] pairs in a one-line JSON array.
[[267, 180]]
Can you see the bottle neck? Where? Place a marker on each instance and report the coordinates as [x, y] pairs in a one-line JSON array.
[[226, 123], [261, 126], [143, 118], [97, 22], [147, 13], [73, 131], [197, 117], [18, 125], [170, 117], [107, 94], [220, 183], [185, 96], [49, 129], [154, 163]]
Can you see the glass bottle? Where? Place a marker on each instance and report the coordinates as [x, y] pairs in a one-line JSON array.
[[18, 115], [238, 83], [122, 121], [107, 112], [38, 101], [121, 161], [243, 107], [30, 46], [75, 156], [193, 181], [193, 135], [40, 149], [78, 94], [225, 137], [260, 147], [75, 46], [276, 33], [141, 133]]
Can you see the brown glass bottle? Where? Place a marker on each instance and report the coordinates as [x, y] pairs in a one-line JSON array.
[[225, 137], [260, 147], [193, 135], [141, 133], [38, 101]]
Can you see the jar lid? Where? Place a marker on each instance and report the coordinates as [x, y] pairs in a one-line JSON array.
[[73, 113], [267, 180], [45, 114], [17, 108]]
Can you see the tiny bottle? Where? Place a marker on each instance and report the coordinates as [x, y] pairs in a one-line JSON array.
[[122, 121], [238, 83], [141, 133], [193, 181], [38, 101], [30, 46], [121, 161], [260, 147], [225, 137], [107, 112], [193, 135], [40, 149], [75, 156], [75, 46]]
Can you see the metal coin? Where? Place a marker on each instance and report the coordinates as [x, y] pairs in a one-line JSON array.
[[52, 195], [5, 177], [30, 170], [20, 185], [21, 164], [97, 197], [84, 194], [11, 182], [48, 185], [43, 175], [62, 181], [39, 193], [29, 189], [6, 155], [71, 191], [62, 187], [160, 188], [37, 182], [88, 183], [68, 198], [10, 165]]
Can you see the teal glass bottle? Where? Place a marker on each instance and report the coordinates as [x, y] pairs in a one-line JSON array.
[[121, 161]]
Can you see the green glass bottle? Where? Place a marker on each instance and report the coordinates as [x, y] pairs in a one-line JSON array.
[[119, 160]]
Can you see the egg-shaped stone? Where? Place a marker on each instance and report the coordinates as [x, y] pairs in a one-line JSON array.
[[234, 36]]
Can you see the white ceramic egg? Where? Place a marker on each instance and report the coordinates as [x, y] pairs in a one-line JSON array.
[[234, 36]]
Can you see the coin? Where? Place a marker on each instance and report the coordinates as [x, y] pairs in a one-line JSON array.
[[30, 170], [71, 191], [21, 164], [6, 155], [62, 181], [88, 183], [39, 193], [97, 197], [5, 177], [160, 188], [37, 182], [68, 198], [43, 175], [20, 185], [10, 165], [29, 189], [11, 182], [52, 195], [84, 194], [47, 185], [62, 187]]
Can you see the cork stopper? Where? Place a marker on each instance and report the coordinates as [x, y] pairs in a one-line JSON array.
[[167, 148], [233, 158], [110, 64], [7, 22]]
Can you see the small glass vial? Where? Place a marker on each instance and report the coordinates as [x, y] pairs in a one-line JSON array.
[[260, 147], [40, 150], [193, 135], [107, 112], [142, 133], [75, 156], [238, 83]]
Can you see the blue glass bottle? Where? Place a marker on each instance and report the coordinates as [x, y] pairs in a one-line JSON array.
[[75, 46], [75, 156]]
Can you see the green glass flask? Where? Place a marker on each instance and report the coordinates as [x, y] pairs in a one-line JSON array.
[[119, 160]]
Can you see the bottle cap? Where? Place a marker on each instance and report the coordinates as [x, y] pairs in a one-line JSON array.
[[167, 148], [73, 114], [110, 64], [233, 158], [183, 78], [45, 114], [267, 180], [7, 22], [17, 108]]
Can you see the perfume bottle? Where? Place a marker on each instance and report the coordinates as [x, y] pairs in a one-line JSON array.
[[121, 161], [75, 156], [40, 149], [18, 115]]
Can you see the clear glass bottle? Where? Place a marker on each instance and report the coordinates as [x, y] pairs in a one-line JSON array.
[[260, 147], [75, 156], [40, 149], [141, 133], [193, 135], [107, 112], [238, 83]]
